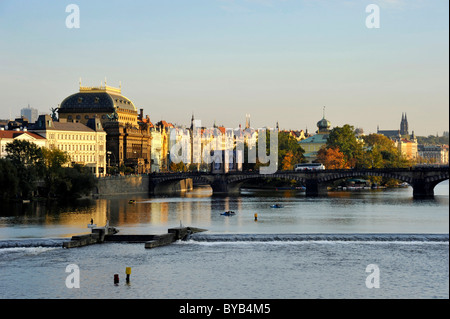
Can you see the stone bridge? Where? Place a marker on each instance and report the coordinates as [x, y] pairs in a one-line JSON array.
[[422, 179]]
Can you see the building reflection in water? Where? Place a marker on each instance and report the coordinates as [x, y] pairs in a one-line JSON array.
[[191, 209]]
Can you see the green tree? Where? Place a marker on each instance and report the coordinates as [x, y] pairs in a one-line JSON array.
[[9, 183], [73, 182], [289, 151], [344, 138], [28, 160], [54, 159], [380, 152]]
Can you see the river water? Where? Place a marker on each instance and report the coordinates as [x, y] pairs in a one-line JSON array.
[[309, 248]]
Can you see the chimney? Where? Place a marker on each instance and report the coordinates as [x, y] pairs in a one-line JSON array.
[[141, 115]]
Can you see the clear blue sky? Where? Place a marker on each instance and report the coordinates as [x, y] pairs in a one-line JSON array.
[[278, 60]]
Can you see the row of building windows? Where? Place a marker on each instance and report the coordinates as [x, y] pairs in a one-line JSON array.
[[127, 118], [87, 159], [83, 158], [81, 137], [77, 147]]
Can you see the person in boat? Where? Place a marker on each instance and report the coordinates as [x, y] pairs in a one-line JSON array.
[[92, 221]]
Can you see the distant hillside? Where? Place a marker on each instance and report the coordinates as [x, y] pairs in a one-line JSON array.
[[434, 140]]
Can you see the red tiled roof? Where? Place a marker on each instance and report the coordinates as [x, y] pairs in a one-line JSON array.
[[14, 134]]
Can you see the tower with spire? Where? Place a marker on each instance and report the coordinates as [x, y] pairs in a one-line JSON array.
[[247, 121], [404, 125]]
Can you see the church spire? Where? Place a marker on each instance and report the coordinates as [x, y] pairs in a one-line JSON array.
[[404, 124]]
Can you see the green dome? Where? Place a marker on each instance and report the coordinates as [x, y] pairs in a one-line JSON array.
[[323, 124]]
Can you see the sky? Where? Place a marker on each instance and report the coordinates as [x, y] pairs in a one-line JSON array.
[[277, 60]]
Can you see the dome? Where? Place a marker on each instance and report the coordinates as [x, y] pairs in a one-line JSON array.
[[323, 124], [104, 99]]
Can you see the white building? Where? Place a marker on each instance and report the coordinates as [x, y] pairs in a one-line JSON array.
[[7, 137]]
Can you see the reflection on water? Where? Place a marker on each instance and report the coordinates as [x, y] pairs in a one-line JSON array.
[[392, 210]]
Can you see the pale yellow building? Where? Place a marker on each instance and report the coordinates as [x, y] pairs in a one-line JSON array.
[[408, 148], [85, 144]]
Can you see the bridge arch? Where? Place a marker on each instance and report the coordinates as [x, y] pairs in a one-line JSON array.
[[235, 182], [243, 178], [342, 175], [173, 183]]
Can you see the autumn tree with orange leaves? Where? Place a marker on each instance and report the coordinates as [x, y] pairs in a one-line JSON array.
[[332, 158]]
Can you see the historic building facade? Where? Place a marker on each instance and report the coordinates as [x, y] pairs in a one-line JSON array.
[[433, 154], [84, 144], [128, 137], [312, 144], [7, 137], [406, 143]]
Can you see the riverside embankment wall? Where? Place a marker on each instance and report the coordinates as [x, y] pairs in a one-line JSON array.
[[138, 185]]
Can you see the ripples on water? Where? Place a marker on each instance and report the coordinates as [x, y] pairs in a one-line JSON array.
[[312, 248], [236, 266]]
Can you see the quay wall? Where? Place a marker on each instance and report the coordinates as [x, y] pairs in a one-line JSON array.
[[136, 185], [117, 185]]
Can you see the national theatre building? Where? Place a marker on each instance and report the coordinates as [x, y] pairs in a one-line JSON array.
[[128, 138]]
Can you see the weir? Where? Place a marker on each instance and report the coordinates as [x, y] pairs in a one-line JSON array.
[[107, 233]]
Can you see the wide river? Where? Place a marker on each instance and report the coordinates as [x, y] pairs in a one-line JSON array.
[[309, 248]]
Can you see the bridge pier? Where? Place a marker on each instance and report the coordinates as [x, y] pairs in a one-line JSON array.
[[314, 188], [170, 186], [422, 189], [221, 187]]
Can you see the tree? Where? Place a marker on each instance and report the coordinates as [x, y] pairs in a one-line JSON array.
[[9, 183], [288, 163], [73, 182], [380, 152], [178, 167], [27, 158], [54, 159], [344, 138], [332, 158], [289, 151], [24, 154]]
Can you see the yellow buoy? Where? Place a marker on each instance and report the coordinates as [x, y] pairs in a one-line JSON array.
[[128, 273]]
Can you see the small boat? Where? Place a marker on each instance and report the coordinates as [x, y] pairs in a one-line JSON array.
[[132, 201], [276, 206], [228, 213], [92, 225]]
